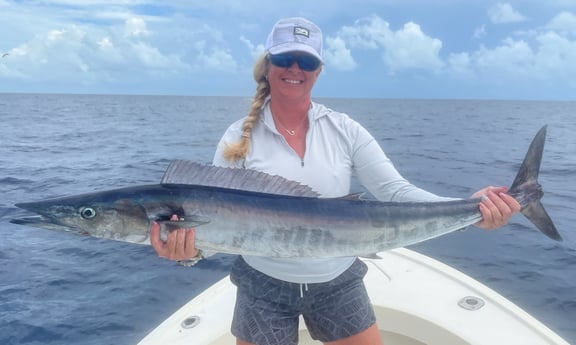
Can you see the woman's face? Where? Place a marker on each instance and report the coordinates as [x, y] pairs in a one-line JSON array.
[[291, 82]]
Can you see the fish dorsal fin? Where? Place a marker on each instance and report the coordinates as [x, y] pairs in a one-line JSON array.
[[188, 172]]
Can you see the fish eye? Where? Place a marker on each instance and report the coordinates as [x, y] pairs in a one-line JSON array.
[[87, 212]]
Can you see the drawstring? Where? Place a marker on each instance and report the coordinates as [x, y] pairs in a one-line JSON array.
[[303, 289]]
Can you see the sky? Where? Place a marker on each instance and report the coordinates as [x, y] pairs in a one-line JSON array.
[[447, 49]]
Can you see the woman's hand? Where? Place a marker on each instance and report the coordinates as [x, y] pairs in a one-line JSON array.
[[179, 244], [497, 207]]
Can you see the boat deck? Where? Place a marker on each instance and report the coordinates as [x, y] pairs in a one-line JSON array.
[[417, 300]]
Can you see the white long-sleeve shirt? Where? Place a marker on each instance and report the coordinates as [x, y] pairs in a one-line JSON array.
[[337, 148]]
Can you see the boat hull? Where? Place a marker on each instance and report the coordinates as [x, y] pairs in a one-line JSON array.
[[417, 300]]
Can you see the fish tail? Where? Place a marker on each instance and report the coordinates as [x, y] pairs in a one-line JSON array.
[[528, 192]]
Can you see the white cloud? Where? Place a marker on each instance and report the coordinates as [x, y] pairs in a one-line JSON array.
[[214, 58], [546, 58], [122, 50], [555, 56], [512, 58], [366, 33], [411, 48], [105, 43], [337, 55], [143, 42], [150, 56], [460, 65], [55, 54], [504, 13], [135, 27], [255, 50], [563, 23], [479, 32], [406, 48]]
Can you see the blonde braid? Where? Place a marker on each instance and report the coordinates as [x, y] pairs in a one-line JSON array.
[[239, 150]]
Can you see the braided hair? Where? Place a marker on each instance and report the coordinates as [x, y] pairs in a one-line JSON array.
[[239, 150]]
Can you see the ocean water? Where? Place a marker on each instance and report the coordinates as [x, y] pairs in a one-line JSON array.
[[57, 288]]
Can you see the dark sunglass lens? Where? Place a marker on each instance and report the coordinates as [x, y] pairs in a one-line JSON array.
[[282, 60], [308, 63]]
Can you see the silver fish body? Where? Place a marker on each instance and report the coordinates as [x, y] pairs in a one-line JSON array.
[[265, 221]]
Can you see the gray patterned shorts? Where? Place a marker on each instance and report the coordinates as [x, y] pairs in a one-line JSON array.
[[267, 309]]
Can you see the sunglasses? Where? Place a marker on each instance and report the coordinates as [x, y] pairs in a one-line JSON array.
[[306, 63]]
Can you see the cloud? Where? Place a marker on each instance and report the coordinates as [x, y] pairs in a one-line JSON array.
[[135, 27], [511, 58], [143, 42], [563, 23], [337, 55], [403, 49], [502, 13], [255, 50], [479, 32], [89, 54], [213, 58], [543, 55], [134, 48], [460, 65]]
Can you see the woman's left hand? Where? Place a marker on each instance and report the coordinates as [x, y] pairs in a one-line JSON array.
[[497, 207]]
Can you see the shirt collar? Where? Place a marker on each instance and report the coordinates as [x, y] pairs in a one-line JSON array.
[[315, 112]]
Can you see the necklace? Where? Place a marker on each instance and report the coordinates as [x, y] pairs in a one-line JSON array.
[[292, 132]]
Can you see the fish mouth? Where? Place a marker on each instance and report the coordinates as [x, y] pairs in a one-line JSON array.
[[36, 207], [43, 218], [46, 223]]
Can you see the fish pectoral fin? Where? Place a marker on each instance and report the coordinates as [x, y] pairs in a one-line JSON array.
[[185, 223]]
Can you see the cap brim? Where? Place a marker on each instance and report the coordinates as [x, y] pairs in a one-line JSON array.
[[294, 47]]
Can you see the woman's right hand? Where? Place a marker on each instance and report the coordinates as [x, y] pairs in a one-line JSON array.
[[179, 244]]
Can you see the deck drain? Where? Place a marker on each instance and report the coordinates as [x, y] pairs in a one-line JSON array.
[[471, 303], [190, 322]]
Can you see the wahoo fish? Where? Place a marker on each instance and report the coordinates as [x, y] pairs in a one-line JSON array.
[[242, 211]]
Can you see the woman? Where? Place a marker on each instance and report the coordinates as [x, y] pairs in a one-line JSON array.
[[287, 134]]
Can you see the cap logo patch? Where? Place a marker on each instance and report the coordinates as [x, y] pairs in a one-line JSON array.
[[298, 30]]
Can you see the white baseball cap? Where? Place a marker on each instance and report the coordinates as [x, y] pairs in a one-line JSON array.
[[295, 34]]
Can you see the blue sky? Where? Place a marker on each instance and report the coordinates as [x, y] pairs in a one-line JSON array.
[[478, 49]]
